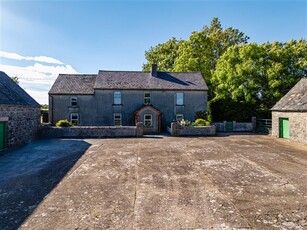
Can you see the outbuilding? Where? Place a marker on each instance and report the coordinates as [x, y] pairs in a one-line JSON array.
[[289, 114], [19, 114]]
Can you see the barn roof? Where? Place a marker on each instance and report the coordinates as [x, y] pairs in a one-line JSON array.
[[11, 94], [295, 99]]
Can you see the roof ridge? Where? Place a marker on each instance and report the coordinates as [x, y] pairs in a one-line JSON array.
[[82, 74]]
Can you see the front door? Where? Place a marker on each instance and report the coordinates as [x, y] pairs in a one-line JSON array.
[[2, 135], [284, 127], [151, 119]]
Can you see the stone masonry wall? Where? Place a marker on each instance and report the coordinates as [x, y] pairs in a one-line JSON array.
[[178, 130], [22, 125], [297, 125], [91, 131]]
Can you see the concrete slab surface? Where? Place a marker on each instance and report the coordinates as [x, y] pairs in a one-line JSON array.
[[226, 182]]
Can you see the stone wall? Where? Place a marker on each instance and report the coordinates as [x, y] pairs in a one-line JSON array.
[[178, 130], [22, 124], [91, 131], [297, 125]]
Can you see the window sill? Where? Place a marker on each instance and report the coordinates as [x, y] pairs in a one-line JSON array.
[[73, 106], [117, 105], [180, 105]]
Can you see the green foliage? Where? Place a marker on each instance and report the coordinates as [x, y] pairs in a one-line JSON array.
[[44, 107], [244, 80], [201, 122], [203, 115], [164, 55], [63, 123], [15, 79], [185, 123], [250, 78], [199, 53]]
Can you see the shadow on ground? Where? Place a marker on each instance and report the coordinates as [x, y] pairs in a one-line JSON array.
[[29, 173]]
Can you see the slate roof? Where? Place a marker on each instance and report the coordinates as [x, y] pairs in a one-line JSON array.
[[11, 94], [74, 84], [295, 99], [127, 80], [144, 80]]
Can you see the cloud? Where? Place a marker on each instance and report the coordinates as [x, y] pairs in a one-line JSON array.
[[37, 79], [28, 58]]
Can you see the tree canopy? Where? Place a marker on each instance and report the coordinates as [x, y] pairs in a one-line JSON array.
[[244, 79]]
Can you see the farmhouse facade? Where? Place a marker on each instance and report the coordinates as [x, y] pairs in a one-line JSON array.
[[19, 114], [289, 115], [112, 98]]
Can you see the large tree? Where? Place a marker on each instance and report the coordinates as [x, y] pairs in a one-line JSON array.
[[199, 53], [164, 55], [250, 78]]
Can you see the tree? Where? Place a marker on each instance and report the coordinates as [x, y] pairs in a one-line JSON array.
[[251, 78], [163, 54], [199, 53], [204, 48], [15, 79]]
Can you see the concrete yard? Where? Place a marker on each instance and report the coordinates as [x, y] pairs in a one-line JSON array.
[[159, 182]]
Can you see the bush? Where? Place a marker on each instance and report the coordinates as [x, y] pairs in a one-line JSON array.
[[204, 115], [201, 122], [63, 123], [185, 123]]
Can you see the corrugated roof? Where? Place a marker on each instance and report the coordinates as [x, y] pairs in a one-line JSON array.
[[144, 80], [74, 84], [12, 94], [295, 99]]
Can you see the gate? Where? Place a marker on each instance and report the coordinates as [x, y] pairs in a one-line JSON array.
[[229, 126], [263, 125], [2, 135]]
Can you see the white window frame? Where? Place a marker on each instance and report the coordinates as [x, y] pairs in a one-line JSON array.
[[147, 99], [180, 98], [117, 98], [148, 120], [73, 100], [179, 117], [117, 117], [74, 121]]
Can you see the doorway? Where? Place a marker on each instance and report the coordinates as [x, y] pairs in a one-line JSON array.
[[284, 127]]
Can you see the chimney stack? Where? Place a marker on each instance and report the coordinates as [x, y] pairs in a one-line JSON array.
[[154, 70]]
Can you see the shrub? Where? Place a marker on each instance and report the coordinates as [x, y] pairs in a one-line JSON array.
[[63, 123], [185, 123], [201, 122]]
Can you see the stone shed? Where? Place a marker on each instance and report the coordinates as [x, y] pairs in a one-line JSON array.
[[289, 115], [19, 114]]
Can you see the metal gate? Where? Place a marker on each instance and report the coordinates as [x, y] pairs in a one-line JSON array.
[[2, 135], [263, 125]]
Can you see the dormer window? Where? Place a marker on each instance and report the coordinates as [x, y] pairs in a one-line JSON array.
[[147, 99], [73, 101]]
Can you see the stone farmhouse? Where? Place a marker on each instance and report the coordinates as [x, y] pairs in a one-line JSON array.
[[19, 114], [123, 98], [289, 115]]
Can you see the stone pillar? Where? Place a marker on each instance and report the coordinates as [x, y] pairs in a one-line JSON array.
[[234, 125], [254, 123], [224, 125], [174, 129], [139, 129]]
